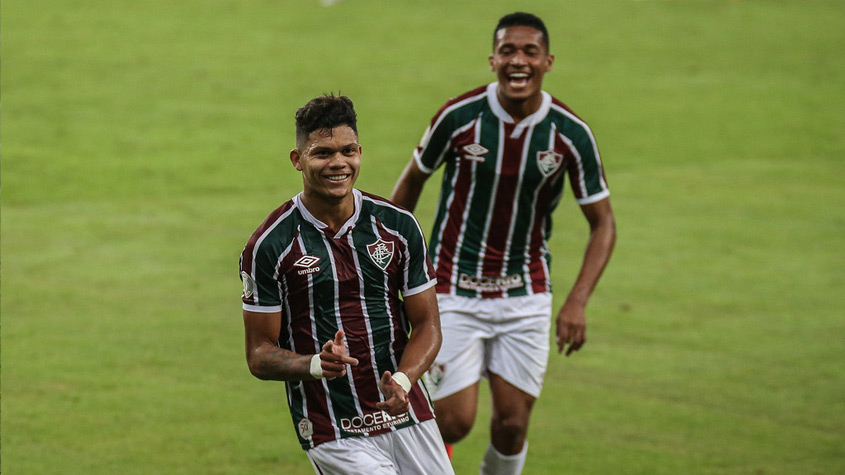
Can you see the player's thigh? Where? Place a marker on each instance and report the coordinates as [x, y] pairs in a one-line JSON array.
[[419, 450], [456, 412], [354, 455], [460, 362], [509, 403], [519, 352]]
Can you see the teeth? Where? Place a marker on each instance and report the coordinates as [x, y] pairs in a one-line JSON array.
[[337, 177], [518, 75]]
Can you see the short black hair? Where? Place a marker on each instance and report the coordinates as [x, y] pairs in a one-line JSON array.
[[522, 19], [325, 113]]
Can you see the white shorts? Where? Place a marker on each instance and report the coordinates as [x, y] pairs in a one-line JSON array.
[[505, 336], [415, 450]]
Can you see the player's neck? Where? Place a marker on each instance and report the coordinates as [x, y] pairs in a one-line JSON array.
[[334, 213], [519, 109]]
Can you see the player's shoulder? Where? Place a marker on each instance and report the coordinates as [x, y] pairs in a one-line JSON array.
[[478, 93], [567, 121], [380, 205], [562, 111], [468, 100], [280, 219], [385, 210]]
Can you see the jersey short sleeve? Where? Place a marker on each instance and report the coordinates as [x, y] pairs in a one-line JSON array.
[[396, 225], [436, 140], [419, 270], [586, 173], [259, 264], [432, 148]]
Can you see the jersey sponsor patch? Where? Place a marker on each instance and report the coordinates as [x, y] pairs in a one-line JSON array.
[[306, 428], [381, 253], [548, 161], [487, 283], [372, 422], [249, 284]]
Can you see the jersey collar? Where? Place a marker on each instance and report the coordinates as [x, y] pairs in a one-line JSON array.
[[323, 227], [501, 113]]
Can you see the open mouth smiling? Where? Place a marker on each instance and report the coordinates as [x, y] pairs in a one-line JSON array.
[[518, 79]]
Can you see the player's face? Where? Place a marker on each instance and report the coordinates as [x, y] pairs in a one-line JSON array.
[[329, 162], [520, 59]]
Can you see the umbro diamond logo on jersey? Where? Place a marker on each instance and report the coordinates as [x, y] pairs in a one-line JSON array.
[[548, 161], [474, 151], [381, 253], [308, 262]]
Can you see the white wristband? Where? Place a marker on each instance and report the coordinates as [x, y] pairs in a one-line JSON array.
[[316, 368], [402, 380]]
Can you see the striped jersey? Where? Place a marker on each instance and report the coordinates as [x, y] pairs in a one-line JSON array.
[[321, 282], [501, 183]]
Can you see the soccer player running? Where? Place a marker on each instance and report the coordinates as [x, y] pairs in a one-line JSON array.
[[506, 148], [333, 281]]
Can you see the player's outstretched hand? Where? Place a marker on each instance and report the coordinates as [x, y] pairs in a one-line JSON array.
[[333, 358], [395, 398], [571, 328]]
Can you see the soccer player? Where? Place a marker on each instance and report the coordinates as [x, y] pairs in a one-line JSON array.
[[333, 280], [506, 148]]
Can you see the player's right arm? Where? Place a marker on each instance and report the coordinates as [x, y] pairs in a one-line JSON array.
[[268, 361], [408, 188], [426, 158]]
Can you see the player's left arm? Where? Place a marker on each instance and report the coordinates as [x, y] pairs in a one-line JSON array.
[[571, 324], [423, 345]]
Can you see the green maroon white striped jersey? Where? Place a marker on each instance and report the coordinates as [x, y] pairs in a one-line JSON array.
[[500, 185], [352, 280]]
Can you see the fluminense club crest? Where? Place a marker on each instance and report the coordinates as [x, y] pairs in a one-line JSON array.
[[381, 253], [548, 161]]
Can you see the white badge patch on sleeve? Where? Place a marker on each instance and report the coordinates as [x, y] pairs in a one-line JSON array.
[[249, 284], [306, 428]]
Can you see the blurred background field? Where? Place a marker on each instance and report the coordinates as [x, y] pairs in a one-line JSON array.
[[144, 141]]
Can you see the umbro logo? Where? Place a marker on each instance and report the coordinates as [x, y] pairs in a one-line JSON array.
[[308, 262], [474, 151]]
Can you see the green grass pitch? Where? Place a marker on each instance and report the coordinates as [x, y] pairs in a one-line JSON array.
[[144, 141]]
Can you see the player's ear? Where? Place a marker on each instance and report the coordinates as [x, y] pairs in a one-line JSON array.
[[295, 159], [550, 60], [490, 60]]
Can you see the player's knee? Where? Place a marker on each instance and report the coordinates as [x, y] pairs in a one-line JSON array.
[[510, 428], [453, 427]]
